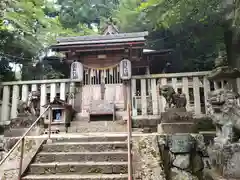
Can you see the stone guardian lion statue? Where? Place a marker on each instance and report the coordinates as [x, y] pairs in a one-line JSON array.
[[173, 99], [224, 110]]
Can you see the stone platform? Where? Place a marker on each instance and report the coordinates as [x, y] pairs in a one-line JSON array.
[[176, 120]]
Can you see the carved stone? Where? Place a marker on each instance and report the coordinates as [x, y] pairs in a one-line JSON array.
[[224, 110], [176, 120], [172, 98], [224, 153], [181, 143]]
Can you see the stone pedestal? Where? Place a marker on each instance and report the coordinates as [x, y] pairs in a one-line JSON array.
[[176, 120], [182, 156], [226, 160]]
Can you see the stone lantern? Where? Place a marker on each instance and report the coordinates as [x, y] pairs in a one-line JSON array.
[[224, 111]]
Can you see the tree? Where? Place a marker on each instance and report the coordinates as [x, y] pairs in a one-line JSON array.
[[28, 31], [179, 15], [75, 12]]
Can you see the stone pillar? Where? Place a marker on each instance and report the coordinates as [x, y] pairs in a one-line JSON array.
[[5, 104]]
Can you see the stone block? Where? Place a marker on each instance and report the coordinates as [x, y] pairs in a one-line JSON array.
[[180, 143], [172, 128], [81, 157], [177, 174], [79, 168], [84, 147], [174, 115], [182, 161]]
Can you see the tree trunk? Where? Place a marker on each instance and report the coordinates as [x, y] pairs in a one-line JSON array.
[[233, 54]]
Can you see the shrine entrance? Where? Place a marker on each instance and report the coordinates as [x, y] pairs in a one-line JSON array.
[[101, 88]]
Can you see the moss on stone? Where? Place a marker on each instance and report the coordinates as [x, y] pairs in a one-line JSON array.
[[204, 124]]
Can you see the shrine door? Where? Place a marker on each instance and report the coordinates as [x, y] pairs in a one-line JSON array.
[[102, 85]]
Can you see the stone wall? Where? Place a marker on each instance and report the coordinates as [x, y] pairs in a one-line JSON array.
[[147, 162], [183, 156]]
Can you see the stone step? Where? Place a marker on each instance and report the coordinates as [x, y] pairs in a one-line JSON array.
[[97, 126], [47, 157], [91, 139], [77, 177], [79, 168], [15, 132], [84, 146]]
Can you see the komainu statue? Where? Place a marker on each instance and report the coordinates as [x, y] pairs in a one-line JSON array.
[[32, 106], [34, 103], [173, 99], [224, 110]]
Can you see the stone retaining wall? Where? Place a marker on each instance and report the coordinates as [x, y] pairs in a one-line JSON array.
[[147, 162], [183, 156]]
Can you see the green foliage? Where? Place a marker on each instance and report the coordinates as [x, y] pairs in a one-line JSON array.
[[29, 29], [129, 19], [75, 12]]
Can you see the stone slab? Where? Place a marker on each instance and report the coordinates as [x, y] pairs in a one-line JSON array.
[[79, 168], [77, 177], [176, 115], [84, 147], [97, 126], [82, 157], [101, 107], [100, 138], [172, 128]]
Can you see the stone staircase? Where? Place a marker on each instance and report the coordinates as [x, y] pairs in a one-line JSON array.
[[81, 158]]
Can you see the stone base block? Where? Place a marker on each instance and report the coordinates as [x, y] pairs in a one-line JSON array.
[[226, 160], [176, 115], [172, 128]]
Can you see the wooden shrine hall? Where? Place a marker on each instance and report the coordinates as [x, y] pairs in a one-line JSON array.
[[105, 63]]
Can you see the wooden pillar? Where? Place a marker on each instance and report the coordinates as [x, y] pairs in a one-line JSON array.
[[125, 95], [128, 87], [71, 93], [133, 96]]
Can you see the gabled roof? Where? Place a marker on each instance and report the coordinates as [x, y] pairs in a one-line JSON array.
[[111, 29], [57, 102], [101, 39]]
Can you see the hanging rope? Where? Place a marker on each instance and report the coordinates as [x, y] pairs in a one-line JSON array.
[[102, 68]]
